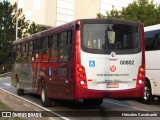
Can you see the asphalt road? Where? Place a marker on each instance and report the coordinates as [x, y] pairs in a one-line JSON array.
[[76, 110]]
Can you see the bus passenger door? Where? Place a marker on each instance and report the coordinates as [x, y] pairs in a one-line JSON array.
[[64, 64]]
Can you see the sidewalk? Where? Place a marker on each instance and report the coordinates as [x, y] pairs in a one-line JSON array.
[[20, 105]]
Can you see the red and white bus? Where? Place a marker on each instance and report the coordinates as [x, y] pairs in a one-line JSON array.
[[152, 48], [87, 59]]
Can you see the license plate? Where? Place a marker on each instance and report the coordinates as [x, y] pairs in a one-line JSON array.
[[112, 85]]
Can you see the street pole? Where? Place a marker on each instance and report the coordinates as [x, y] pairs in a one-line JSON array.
[[17, 22]]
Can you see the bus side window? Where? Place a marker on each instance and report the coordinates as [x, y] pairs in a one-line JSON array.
[[62, 46], [34, 45], [38, 49], [23, 47], [26, 55], [34, 50], [69, 44], [24, 52], [157, 42], [45, 51], [18, 53], [65, 45], [69, 37], [53, 52], [30, 51]]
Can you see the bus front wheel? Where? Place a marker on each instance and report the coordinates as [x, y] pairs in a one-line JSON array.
[[45, 101], [94, 102], [19, 91]]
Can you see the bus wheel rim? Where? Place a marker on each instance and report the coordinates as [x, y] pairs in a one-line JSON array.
[[43, 95], [147, 93]]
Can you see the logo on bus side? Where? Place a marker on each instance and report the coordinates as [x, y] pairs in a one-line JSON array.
[[113, 54], [113, 68], [91, 63]]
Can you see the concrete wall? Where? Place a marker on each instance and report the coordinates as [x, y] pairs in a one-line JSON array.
[[86, 8], [50, 12], [56, 12]]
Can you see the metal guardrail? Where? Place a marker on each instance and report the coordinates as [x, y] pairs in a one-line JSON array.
[[8, 74]]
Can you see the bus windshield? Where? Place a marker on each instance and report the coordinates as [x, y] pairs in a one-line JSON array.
[[110, 36]]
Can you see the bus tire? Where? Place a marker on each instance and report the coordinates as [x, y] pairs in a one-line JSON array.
[[45, 101], [93, 102], [148, 97], [19, 91]]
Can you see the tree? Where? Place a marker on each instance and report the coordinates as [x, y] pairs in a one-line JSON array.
[[8, 28], [34, 28], [8, 15], [140, 10]]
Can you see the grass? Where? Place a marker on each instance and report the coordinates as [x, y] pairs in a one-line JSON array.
[[5, 75], [3, 108]]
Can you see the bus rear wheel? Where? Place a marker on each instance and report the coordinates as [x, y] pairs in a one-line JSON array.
[[148, 97], [19, 91], [45, 101], [94, 102]]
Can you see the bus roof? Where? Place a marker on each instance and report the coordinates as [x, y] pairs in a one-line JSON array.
[[152, 27]]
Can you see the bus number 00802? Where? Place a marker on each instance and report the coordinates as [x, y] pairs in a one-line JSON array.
[[127, 62]]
